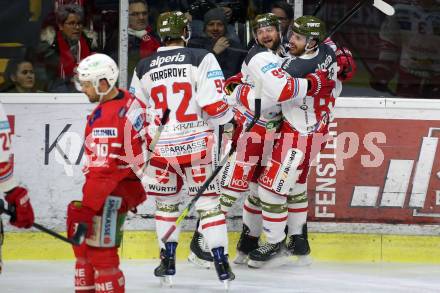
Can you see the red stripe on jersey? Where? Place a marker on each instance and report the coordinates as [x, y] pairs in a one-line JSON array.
[[252, 211], [216, 108], [212, 224], [165, 219], [244, 96], [275, 219], [300, 210], [288, 90]]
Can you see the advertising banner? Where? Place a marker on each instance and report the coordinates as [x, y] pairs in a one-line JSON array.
[[382, 166], [378, 171]]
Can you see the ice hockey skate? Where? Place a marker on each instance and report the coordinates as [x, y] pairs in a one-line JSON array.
[[167, 266], [199, 252], [245, 245], [222, 267], [268, 255], [298, 245]]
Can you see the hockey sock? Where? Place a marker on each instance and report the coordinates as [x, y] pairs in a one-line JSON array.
[[252, 215], [111, 281], [274, 211], [167, 212], [297, 217], [84, 277], [227, 199], [212, 222]]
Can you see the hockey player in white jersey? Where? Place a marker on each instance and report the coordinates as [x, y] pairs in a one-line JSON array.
[[303, 132], [308, 55], [16, 196], [189, 82], [261, 69]]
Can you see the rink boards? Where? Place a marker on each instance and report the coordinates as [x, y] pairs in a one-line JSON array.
[[375, 187]]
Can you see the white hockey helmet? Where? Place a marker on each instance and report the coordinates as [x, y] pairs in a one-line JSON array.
[[97, 67]]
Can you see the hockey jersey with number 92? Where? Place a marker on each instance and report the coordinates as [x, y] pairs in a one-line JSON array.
[[189, 82]]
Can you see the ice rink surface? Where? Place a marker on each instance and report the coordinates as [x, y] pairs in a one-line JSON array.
[[56, 277]]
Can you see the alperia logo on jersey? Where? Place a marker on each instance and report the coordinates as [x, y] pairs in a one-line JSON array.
[[168, 59]]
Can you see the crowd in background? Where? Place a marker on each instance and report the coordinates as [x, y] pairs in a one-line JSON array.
[[55, 35]]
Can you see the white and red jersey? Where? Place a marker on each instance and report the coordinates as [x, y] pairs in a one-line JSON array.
[[189, 82], [115, 150], [309, 113], [7, 181], [262, 70], [304, 113]]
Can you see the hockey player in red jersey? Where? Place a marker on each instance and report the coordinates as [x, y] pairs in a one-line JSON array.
[[114, 140], [189, 82], [16, 196]]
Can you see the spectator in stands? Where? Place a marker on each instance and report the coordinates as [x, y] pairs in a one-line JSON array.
[[284, 12], [20, 77], [229, 53], [141, 37], [142, 41], [198, 8], [62, 48]]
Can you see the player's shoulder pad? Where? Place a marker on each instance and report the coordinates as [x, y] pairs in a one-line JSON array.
[[143, 66], [327, 50], [197, 55], [256, 49]]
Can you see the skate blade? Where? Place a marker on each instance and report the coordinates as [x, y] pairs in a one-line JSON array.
[[198, 262], [241, 258], [166, 281], [226, 285], [278, 260]]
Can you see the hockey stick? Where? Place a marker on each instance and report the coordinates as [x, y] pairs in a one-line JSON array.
[[156, 137], [318, 7], [213, 175], [76, 239], [379, 4]]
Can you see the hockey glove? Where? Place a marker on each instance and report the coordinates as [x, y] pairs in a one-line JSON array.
[[319, 84], [232, 82], [346, 64], [20, 207], [77, 213]]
